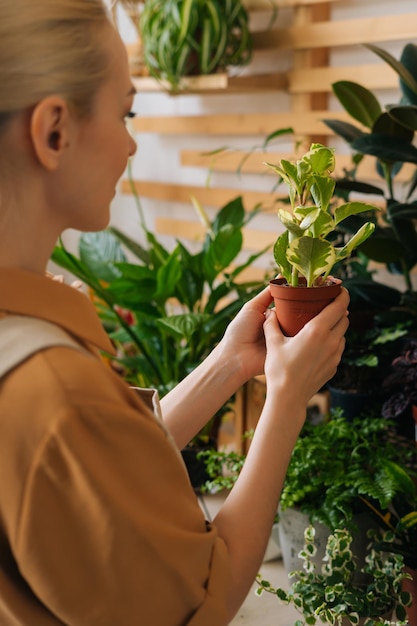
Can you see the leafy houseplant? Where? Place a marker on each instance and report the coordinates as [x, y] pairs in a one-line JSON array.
[[189, 37], [304, 252], [337, 594], [386, 135], [166, 309]]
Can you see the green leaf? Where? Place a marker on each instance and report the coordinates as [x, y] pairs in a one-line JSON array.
[[291, 224], [406, 115], [358, 101], [320, 159], [311, 257], [183, 326], [168, 276], [140, 252], [233, 213], [409, 61], [322, 190], [347, 131], [362, 235], [390, 149], [222, 250], [280, 255], [397, 66], [387, 126], [351, 208], [99, 252]]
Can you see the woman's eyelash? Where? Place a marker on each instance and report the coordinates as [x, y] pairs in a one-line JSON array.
[[131, 114]]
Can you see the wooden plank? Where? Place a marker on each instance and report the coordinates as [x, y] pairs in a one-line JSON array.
[[262, 5], [216, 83], [207, 196], [253, 163], [341, 33], [194, 231], [379, 76], [238, 124]]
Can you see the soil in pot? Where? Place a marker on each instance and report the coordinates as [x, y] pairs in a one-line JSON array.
[[295, 306]]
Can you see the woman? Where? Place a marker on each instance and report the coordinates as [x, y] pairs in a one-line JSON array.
[[99, 525]]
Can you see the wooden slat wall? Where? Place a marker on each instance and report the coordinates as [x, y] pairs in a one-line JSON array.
[[310, 38]]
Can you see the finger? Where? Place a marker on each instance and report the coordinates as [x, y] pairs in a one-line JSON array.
[[271, 325], [334, 311], [262, 300]]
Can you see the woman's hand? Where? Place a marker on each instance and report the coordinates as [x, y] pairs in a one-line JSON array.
[[245, 335], [304, 363]]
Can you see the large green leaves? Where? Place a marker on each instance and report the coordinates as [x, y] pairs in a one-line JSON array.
[[358, 101]]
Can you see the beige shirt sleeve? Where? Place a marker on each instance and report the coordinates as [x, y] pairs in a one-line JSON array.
[[110, 532]]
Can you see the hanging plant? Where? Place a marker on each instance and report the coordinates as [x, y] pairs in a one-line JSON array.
[[192, 37]]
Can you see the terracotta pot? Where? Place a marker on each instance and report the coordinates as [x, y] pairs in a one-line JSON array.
[[295, 306]]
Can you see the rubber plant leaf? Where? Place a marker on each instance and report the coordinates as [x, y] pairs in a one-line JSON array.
[[358, 101], [405, 75], [347, 131], [389, 149], [406, 115], [311, 257]]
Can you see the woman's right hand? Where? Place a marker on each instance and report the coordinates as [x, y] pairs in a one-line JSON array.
[[303, 364]]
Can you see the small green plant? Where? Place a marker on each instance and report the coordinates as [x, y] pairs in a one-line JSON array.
[[338, 593], [304, 248], [185, 37], [335, 466]]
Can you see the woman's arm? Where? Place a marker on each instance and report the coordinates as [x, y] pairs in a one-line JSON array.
[[239, 356], [295, 369]]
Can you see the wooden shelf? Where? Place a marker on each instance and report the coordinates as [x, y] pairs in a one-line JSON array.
[[215, 84]]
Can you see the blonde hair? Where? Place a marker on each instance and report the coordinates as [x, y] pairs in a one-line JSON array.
[[51, 47]]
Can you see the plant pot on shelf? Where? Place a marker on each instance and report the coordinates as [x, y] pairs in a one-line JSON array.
[[295, 306]]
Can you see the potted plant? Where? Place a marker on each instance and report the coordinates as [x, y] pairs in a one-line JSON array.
[[304, 252], [335, 465], [336, 593], [387, 135], [192, 37]]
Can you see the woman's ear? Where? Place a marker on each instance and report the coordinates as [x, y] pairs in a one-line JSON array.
[[50, 131]]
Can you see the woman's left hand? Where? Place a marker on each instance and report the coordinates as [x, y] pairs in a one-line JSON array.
[[245, 336]]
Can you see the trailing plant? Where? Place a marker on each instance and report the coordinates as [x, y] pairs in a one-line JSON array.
[[305, 247], [335, 594], [386, 134], [185, 37]]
